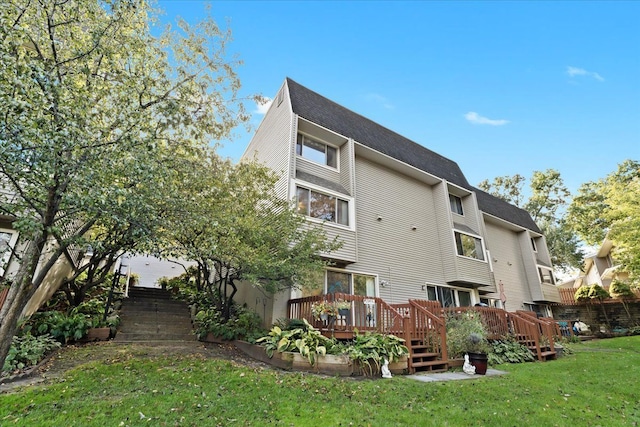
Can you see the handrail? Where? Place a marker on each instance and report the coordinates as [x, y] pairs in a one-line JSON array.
[[429, 326], [526, 332]]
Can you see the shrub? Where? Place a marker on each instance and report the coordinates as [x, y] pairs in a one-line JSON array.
[[28, 350], [243, 324], [466, 333], [509, 350], [308, 341], [375, 348]]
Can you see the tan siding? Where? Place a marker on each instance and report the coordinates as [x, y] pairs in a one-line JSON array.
[[272, 143], [346, 166], [389, 248], [318, 170], [508, 265], [445, 234]]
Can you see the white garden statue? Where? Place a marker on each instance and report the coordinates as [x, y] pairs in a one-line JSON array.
[[468, 368], [386, 373]]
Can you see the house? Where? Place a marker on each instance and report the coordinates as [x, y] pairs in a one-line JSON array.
[[412, 226], [11, 247]]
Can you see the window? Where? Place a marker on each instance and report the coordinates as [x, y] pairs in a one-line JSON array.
[[449, 297], [322, 206], [7, 242], [456, 204], [546, 275], [469, 246], [533, 245], [316, 151]]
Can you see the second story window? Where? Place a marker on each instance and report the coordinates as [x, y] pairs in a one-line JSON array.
[[456, 204], [469, 246], [546, 276], [316, 151], [322, 206]]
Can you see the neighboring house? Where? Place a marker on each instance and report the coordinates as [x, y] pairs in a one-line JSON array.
[[599, 268], [412, 227]]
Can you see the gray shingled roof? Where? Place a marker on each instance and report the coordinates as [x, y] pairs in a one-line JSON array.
[[495, 206], [318, 109]]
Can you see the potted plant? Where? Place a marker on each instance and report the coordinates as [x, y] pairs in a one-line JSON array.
[[467, 335], [477, 349], [343, 307], [322, 310]]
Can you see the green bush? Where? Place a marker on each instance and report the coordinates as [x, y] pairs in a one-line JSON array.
[[307, 341], [371, 349], [28, 350], [509, 350], [466, 334], [60, 326], [244, 324]]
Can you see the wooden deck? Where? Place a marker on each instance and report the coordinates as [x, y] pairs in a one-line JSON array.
[[421, 324]]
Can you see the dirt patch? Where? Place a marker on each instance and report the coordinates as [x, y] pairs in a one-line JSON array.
[[73, 356]]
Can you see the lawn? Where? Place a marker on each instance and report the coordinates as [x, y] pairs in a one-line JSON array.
[[595, 386]]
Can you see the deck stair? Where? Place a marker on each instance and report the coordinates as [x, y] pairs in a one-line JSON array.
[[421, 359], [149, 314]]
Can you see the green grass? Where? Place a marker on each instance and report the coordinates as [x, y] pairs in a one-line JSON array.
[[599, 385]]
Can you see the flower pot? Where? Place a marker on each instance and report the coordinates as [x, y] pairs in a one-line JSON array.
[[479, 360]]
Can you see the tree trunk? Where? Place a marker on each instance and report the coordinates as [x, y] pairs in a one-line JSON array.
[[21, 290]]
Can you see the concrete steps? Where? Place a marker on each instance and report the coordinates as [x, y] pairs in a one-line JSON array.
[[149, 314]]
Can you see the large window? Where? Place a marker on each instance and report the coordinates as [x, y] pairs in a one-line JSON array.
[[469, 246], [449, 297], [456, 204], [322, 206], [350, 283], [316, 151]]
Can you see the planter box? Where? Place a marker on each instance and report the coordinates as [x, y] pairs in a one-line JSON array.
[[98, 334], [214, 339], [400, 366], [330, 364]]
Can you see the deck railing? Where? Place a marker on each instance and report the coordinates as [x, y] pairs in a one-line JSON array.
[[494, 319], [364, 314], [526, 332], [428, 326], [567, 296]]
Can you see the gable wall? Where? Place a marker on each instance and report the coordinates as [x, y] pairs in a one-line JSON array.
[[505, 249], [272, 144]]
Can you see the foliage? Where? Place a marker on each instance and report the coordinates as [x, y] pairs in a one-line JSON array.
[[466, 334], [59, 325], [98, 111], [307, 341], [582, 293], [546, 203], [323, 307], [509, 350], [597, 292], [621, 290], [252, 237], [244, 324], [610, 207], [374, 348], [28, 350]]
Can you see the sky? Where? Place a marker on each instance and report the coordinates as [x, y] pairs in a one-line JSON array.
[[500, 87]]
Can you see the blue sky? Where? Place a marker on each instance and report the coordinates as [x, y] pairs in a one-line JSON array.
[[499, 87]]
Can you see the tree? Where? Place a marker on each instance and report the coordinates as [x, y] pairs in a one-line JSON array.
[[92, 104], [547, 199], [238, 230], [611, 207]]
